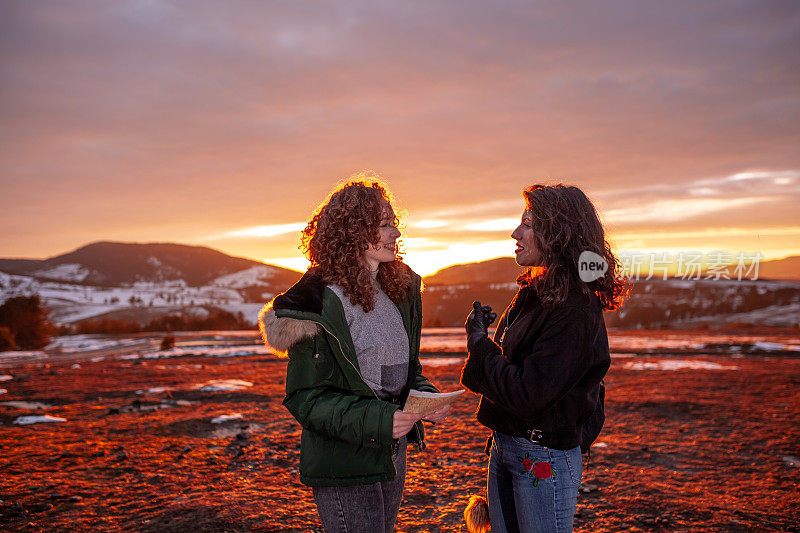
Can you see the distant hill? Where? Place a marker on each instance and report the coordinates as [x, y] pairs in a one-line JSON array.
[[500, 270], [787, 269], [116, 263]]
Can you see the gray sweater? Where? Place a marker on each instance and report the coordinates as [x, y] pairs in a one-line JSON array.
[[381, 343]]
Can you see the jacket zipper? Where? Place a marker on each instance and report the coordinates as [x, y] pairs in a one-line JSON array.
[[363, 380], [503, 336], [505, 329], [346, 359]]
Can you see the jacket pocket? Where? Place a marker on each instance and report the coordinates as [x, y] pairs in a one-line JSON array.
[[315, 455]]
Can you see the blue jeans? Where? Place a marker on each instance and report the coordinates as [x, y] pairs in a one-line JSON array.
[[369, 508], [532, 488]]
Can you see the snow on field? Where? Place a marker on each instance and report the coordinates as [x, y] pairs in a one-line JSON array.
[[774, 346], [203, 351], [773, 315], [66, 313], [246, 278], [32, 419], [248, 310], [226, 418], [31, 406], [155, 390], [21, 356], [69, 302], [65, 272], [441, 361], [677, 364], [675, 341], [84, 343], [223, 385]]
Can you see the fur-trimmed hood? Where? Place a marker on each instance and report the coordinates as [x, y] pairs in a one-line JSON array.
[[281, 333]]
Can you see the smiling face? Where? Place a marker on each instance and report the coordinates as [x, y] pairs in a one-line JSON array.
[[385, 249], [527, 252]]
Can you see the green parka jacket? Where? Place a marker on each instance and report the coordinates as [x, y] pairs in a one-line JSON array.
[[347, 430]]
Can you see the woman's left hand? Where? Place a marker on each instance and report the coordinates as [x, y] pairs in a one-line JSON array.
[[439, 416], [478, 322]]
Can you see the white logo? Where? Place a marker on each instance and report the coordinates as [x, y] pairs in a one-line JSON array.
[[591, 266]]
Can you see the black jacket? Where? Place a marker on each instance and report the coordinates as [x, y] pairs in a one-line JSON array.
[[547, 374]]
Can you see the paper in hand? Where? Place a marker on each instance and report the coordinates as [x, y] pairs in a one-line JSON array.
[[425, 403]]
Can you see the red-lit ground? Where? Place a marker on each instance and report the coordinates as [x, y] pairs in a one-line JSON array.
[[691, 450]]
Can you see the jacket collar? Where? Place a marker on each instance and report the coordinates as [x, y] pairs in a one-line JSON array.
[[306, 295]]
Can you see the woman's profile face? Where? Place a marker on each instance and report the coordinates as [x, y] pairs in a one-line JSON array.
[[384, 250], [527, 252]]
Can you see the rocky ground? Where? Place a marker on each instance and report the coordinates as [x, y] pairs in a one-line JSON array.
[[693, 442]]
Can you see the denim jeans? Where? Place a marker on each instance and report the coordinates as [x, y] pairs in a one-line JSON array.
[[532, 488], [369, 508]]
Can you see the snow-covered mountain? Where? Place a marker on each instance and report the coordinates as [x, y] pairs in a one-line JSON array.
[[116, 264], [124, 280]]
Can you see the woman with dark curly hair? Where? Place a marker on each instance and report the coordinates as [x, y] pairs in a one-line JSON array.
[[540, 378], [351, 327]]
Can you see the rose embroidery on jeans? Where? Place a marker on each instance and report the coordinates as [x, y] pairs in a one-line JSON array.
[[535, 468], [542, 470]]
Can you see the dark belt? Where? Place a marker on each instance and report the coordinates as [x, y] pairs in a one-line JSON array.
[[544, 438], [535, 435]]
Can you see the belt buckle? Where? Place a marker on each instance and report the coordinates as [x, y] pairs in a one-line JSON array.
[[536, 435]]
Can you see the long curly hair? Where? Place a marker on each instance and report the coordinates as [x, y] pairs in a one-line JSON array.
[[565, 224], [340, 231]]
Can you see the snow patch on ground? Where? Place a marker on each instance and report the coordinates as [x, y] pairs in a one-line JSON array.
[[441, 361], [774, 346], [84, 343], [21, 356], [30, 406], [213, 351], [223, 385], [26, 420], [5, 377], [226, 418], [154, 390], [678, 364]]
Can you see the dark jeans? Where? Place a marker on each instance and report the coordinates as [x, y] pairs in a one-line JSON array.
[[364, 508], [532, 488]]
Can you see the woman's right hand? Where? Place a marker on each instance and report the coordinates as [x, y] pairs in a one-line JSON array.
[[403, 422]]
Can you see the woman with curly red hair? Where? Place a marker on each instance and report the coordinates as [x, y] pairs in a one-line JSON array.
[[351, 327]]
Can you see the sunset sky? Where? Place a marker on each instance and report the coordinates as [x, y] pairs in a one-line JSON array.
[[226, 123]]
